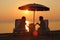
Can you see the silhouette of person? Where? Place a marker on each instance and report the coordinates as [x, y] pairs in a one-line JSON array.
[[22, 24], [42, 25]]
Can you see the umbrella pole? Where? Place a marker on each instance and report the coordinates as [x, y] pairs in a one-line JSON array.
[[34, 17]]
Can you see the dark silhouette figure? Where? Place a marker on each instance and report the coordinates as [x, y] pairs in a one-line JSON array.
[[20, 25], [43, 25]]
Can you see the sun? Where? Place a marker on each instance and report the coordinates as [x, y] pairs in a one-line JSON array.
[[26, 11]]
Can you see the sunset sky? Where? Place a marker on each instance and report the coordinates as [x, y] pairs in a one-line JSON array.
[[9, 10]]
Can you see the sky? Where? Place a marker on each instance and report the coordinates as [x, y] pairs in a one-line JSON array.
[[9, 10]]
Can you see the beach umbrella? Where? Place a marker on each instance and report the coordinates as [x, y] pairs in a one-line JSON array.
[[34, 7]]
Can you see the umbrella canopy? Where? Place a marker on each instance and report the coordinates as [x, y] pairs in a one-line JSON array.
[[34, 7]]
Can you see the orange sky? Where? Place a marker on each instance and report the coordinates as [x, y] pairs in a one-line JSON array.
[[9, 9], [9, 12]]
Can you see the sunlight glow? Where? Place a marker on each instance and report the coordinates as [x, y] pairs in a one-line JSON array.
[[37, 27], [26, 26], [26, 11]]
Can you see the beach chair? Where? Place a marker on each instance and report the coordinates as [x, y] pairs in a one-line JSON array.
[[18, 28], [46, 25]]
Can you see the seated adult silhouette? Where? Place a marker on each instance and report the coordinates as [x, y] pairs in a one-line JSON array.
[[20, 25], [43, 25]]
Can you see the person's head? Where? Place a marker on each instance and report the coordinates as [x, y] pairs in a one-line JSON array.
[[24, 18], [41, 18]]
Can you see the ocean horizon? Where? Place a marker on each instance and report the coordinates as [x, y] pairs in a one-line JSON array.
[[7, 27]]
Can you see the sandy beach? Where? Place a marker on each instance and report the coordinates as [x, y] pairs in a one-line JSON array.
[[53, 35]]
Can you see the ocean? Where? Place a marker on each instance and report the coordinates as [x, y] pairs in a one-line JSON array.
[[7, 27]]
